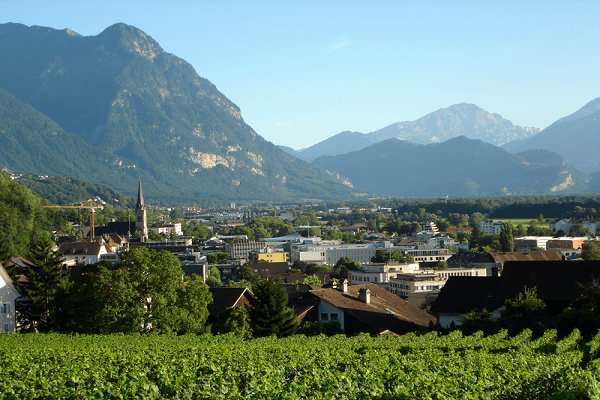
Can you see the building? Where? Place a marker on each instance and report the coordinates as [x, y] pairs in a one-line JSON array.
[[242, 248], [169, 230], [528, 243], [8, 295], [566, 243], [491, 228], [461, 295], [141, 223], [269, 255], [82, 253], [380, 273], [368, 308]]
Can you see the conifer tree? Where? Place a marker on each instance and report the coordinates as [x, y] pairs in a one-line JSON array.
[[271, 316], [506, 238], [47, 283]]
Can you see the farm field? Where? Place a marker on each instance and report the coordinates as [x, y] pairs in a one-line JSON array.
[[361, 367]]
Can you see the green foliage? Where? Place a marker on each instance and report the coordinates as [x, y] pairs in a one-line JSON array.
[[299, 367], [21, 216], [382, 256], [525, 311], [214, 278], [441, 265], [311, 280], [47, 284], [590, 252], [146, 292], [506, 238], [235, 320], [271, 316], [479, 321], [583, 313]]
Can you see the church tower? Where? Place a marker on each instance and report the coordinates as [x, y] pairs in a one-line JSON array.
[[141, 225]]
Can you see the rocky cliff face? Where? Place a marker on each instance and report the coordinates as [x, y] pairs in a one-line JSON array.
[[121, 93]]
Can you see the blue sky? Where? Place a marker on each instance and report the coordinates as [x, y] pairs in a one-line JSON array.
[[302, 71]]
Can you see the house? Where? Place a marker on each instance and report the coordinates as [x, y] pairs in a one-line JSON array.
[[549, 255], [368, 308], [8, 296], [267, 254], [224, 298], [491, 228], [83, 252], [557, 283], [461, 295]]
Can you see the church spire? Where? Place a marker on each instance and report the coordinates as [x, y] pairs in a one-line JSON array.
[[141, 224], [140, 199]]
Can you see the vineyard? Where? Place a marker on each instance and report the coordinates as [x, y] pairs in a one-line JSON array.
[[361, 367]]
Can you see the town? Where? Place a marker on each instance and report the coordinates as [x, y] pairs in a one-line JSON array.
[[343, 270]]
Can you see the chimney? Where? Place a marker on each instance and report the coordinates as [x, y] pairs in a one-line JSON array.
[[495, 271], [333, 284], [344, 286], [364, 295]]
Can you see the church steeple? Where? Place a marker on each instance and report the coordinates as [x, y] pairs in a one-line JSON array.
[[141, 224], [140, 199]]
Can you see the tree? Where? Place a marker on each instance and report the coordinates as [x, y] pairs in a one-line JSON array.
[[214, 278], [312, 280], [155, 236], [382, 256], [236, 320], [590, 251], [506, 238], [145, 292], [525, 311], [583, 313], [47, 284], [479, 321], [271, 316], [441, 265]]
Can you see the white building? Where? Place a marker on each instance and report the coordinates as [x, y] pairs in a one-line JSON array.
[[8, 295], [491, 228], [528, 243]]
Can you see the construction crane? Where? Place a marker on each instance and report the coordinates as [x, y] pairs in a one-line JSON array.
[[92, 207]]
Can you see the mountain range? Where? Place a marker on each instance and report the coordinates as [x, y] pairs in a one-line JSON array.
[[457, 120], [457, 167], [576, 137], [116, 107]]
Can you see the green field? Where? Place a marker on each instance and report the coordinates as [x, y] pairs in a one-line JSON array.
[[522, 221], [361, 367]]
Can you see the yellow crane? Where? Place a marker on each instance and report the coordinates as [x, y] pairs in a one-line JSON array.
[[92, 207]]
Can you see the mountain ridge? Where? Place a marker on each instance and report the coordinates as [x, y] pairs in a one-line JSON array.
[[121, 93], [438, 126], [458, 167]]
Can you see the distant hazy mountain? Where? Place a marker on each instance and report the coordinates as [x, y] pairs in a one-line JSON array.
[[456, 167], [127, 99], [457, 120], [576, 137]]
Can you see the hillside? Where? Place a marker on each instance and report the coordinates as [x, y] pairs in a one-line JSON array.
[[575, 137], [124, 96], [65, 190], [439, 126], [458, 167]]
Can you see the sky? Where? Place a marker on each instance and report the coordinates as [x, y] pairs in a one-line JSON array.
[[303, 71]]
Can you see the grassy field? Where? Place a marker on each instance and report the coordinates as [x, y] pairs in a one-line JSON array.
[[522, 221]]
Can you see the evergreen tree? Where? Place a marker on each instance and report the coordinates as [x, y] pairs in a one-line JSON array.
[[47, 284], [271, 316], [506, 238]]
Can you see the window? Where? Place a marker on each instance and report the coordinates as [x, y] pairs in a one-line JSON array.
[[5, 309], [324, 317], [334, 317], [6, 327]]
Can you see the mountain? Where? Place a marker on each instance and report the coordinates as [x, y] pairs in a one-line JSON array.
[[439, 126], [127, 99], [34, 144], [457, 167], [576, 137]]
